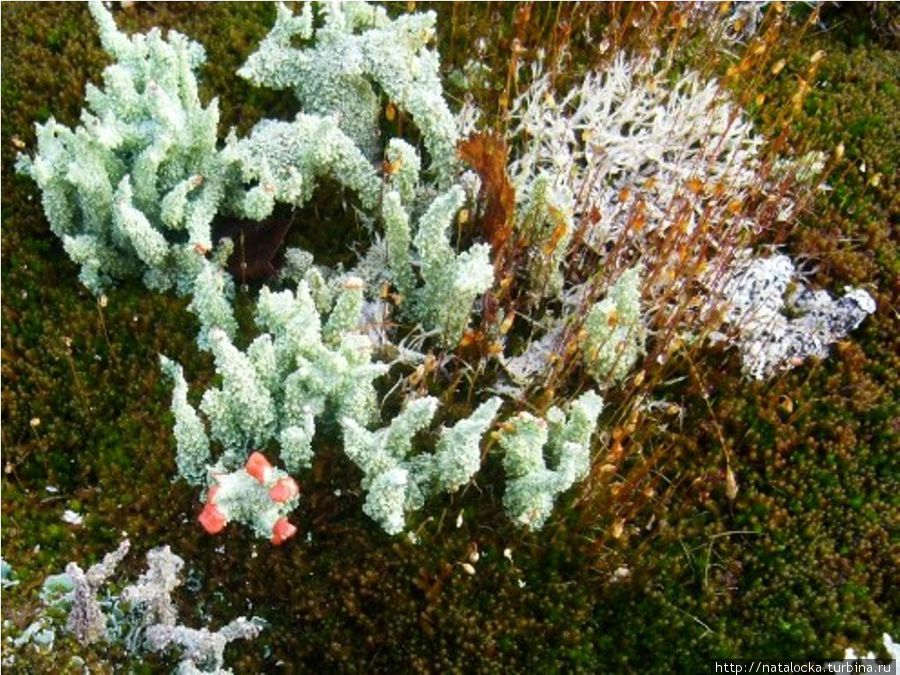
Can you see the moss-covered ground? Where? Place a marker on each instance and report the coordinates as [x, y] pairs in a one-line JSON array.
[[802, 563]]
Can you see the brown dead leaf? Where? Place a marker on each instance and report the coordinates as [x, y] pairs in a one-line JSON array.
[[487, 155]]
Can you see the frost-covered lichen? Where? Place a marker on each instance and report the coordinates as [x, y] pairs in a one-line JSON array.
[[192, 444], [398, 238], [398, 481], [152, 593], [203, 650], [545, 221], [533, 445], [287, 159], [636, 167], [293, 373], [257, 495], [286, 378], [133, 189], [355, 53], [142, 617], [212, 293], [86, 620], [451, 281]]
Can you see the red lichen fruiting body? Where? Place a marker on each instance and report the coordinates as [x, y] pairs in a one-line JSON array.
[[212, 519], [282, 530], [284, 490], [258, 467]]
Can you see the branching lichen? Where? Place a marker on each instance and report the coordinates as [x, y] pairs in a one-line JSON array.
[[533, 445]]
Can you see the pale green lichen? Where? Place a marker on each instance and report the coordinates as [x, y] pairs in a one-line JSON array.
[[451, 281], [545, 221], [355, 53], [289, 376], [397, 481], [614, 331], [545, 457], [192, 444], [142, 166]]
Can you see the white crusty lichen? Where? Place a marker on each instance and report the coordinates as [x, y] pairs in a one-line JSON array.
[[133, 189], [86, 620], [357, 61], [396, 480], [778, 321], [203, 650], [614, 331], [142, 617], [533, 445]]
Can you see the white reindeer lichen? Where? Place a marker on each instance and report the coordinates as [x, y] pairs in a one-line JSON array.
[[763, 294]]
